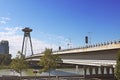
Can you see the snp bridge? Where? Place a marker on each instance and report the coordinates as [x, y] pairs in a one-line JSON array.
[[100, 58], [95, 56]]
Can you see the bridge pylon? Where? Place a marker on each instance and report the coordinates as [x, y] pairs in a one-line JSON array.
[[27, 36]]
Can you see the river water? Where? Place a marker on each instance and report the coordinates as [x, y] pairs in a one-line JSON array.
[[57, 72]]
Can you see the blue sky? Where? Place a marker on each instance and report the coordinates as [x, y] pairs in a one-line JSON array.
[[56, 22]]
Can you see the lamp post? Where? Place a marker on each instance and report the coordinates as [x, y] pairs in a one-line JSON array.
[[35, 72]]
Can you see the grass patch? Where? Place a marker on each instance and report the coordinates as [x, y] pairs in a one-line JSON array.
[[30, 72], [4, 67]]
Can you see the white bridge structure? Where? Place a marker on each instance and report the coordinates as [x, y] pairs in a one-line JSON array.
[[94, 59]]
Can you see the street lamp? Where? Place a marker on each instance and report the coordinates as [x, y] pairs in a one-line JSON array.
[[35, 72]]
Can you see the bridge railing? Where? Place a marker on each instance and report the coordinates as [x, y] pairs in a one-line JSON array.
[[92, 46]]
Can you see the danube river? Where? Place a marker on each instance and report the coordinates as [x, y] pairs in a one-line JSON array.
[[57, 72]]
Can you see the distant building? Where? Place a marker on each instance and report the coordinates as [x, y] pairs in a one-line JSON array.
[[4, 47]]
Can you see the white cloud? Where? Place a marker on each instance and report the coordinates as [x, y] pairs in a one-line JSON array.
[[4, 20], [9, 31], [12, 29], [55, 39]]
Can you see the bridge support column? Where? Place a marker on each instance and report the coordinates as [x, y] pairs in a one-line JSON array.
[[112, 71], [96, 70], [90, 70], [85, 71], [102, 70], [77, 67], [108, 70]]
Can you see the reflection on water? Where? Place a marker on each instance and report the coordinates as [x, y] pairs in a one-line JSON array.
[[61, 72], [29, 72], [10, 72], [57, 72]]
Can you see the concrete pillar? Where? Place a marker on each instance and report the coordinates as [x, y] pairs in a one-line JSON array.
[[85, 71], [112, 70], [102, 70], [90, 70], [96, 70], [108, 70], [77, 68]]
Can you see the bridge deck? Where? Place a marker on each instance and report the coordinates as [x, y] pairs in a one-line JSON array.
[[95, 61], [111, 63]]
